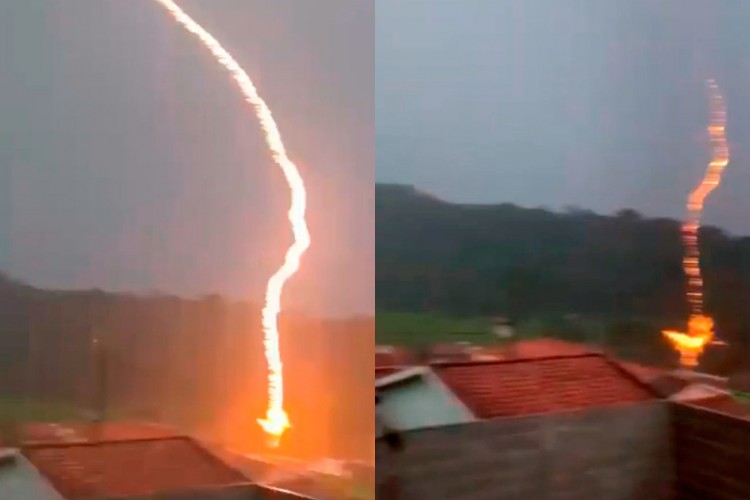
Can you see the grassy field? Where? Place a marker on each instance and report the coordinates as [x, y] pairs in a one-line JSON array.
[[631, 339], [414, 329], [14, 409]]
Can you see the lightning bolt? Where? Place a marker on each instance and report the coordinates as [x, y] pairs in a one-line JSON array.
[[700, 327], [276, 421]]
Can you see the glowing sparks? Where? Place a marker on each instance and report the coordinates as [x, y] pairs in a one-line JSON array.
[[700, 327], [691, 344], [276, 420]]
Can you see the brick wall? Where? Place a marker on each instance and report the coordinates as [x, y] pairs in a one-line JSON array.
[[620, 452], [711, 454]]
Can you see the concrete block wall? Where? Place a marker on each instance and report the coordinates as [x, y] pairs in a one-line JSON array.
[[619, 452], [711, 454]]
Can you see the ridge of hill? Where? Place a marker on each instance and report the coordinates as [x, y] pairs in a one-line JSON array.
[[477, 260]]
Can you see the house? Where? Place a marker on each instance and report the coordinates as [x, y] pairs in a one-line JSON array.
[[386, 371], [20, 480], [124, 461], [710, 397], [134, 469], [502, 328], [647, 374], [530, 348], [416, 397], [575, 425], [87, 432], [543, 348], [388, 356], [449, 351], [535, 426]]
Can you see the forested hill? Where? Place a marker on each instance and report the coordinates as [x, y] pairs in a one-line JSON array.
[[490, 259]]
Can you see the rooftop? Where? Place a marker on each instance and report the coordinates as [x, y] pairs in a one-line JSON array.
[[416, 398], [130, 467], [644, 373], [541, 384], [544, 348], [392, 356], [386, 371], [84, 432], [455, 351], [20, 480]]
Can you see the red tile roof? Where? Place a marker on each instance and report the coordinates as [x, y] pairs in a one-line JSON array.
[[544, 348], [387, 356], [130, 468], [541, 385]]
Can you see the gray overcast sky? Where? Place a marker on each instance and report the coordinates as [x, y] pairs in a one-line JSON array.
[[129, 161], [599, 104]]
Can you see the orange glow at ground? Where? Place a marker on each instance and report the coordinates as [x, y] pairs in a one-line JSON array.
[[276, 420], [690, 345], [700, 327]]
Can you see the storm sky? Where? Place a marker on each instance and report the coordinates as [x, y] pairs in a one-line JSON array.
[[129, 160], [588, 103]]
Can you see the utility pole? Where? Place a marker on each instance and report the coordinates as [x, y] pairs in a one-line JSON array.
[[100, 377]]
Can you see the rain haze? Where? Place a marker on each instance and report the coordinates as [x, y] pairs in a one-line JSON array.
[[600, 105], [542, 168], [129, 160]]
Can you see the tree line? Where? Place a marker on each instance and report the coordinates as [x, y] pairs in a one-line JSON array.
[[477, 260], [196, 364]]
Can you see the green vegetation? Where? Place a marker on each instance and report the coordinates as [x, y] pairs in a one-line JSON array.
[[415, 329], [345, 488], [628, 338], [620, 276], [14, 409], [192, 363]]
